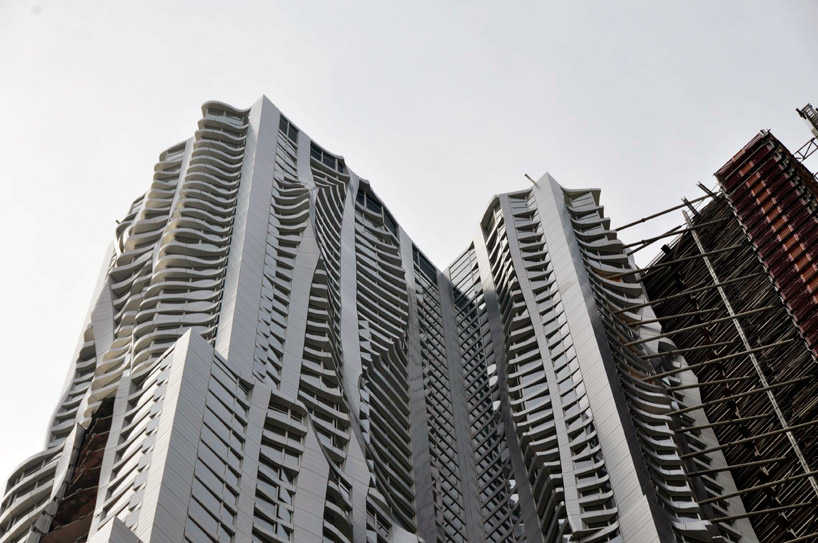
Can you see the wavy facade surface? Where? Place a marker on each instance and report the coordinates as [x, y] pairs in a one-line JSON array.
[[592, 440], [270, 358]]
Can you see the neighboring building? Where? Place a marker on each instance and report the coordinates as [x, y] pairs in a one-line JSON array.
[[775, 198], [738, 292], [270, 358]]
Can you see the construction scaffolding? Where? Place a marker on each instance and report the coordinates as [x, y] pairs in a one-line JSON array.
[[736, 291], [757, 379]]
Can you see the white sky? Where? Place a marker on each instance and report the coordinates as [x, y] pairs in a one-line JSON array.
[[439, 104]]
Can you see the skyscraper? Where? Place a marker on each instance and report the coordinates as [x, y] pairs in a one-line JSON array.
[[269, 357]]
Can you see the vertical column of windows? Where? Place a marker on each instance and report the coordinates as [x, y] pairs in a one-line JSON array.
[[321, 387], [529, 401], [383, 313], [440, 414], [278, 466], [338, 509], [135, 443], [288, 218], [65, 417], [320, 390], [383, 306], [651, 405], [538, 387], [594, 494], [330, 196], [213, 505], [384, 418], [320, 384], [479, 374]]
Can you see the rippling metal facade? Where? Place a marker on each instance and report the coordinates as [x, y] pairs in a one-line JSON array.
[[592, 441], [270, 358]]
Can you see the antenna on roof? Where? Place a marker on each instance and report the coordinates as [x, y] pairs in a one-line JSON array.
[[809, 115]]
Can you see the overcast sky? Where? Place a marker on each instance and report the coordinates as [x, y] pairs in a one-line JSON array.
[[439, 104]]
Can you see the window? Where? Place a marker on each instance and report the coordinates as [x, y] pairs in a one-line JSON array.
[[287, 128]]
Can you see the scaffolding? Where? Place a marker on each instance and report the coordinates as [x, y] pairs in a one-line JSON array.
[[735, 290], [756, 377]]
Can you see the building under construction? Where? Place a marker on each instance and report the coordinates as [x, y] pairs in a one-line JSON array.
[[736, 290]]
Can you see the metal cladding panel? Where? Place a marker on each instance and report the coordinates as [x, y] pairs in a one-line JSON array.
[[776, 200]]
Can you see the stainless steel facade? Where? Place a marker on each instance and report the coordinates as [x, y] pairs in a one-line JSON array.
[[592, 447], [270, 358]]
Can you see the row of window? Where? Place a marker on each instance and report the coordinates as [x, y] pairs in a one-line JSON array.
[[212, 509]]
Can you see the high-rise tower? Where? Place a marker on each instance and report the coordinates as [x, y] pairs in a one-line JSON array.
[[269, 357]]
